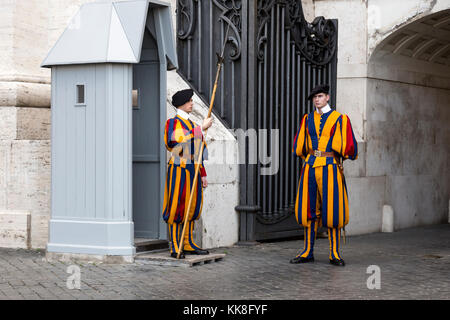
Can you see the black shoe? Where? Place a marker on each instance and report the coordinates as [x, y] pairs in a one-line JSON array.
[[337, 262], [197, 251], [301, 260], [174, 255]]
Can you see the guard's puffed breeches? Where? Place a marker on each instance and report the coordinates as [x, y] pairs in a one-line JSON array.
[[322, 192], [175, 232], [310, 236]]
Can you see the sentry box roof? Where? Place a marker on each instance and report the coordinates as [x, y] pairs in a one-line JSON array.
[[106, 32]]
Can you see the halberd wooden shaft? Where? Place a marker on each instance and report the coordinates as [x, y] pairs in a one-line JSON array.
[[200, 157], [197, 166]]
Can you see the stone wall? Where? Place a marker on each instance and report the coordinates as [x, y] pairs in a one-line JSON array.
[[393, 105], [28, 30], [25, 126]]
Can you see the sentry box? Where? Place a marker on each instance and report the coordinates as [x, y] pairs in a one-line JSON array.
[[108, 105]]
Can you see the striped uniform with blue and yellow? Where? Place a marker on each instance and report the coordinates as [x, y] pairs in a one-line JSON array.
[[322, 192], [183, 138]]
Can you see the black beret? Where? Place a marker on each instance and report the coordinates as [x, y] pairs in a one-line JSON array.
[[181, 97], [321, 88]]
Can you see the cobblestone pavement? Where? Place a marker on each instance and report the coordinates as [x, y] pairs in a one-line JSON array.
[[414, 264]]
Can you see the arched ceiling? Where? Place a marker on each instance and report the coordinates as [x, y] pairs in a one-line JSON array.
[[427, 39]]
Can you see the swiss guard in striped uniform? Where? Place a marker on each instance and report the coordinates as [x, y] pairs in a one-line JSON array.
[[325, 137], [183, 138]]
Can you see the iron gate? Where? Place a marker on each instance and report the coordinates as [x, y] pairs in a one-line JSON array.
[[273, 58]]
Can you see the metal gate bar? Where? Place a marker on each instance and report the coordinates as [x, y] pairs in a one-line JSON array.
[[274, 57]]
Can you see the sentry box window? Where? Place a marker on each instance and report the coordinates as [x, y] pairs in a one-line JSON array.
[[80, 94], [135, 98]]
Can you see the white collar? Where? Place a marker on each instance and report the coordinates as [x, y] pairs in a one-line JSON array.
[[325, 109], [183, 114]]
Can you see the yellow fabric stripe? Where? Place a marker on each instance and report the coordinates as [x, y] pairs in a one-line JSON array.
[[335, 243], [166, 142], [325, 137], [305, 230], [329, 241], [338, 239], [175, 195], [307, 240], [330, 196], [167, 204], [296, 203], [305, 197], [166, 191], [346, 207], [188, 193], [337, 139], [341, 199], [301, 138], [186, 244], [186, 122], [318, 175], [173, 234]]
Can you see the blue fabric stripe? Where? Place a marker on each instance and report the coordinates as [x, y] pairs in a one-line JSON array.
[[171, 238], [312, 192], [311, 160], [191, 241], [199, 199], [332, 243], [330, 142], [181, 188], [170, 130], [309, 239], [192, 140], [300, 197], [179, 231], [353, 157], [312, 131], [172, 176], [173, 186]]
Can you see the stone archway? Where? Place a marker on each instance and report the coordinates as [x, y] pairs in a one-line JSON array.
[[408, 116]]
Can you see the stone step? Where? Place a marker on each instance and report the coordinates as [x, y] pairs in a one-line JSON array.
[[146, 245]]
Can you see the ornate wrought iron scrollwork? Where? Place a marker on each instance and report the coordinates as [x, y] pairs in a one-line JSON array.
[[264, 9], [231, 15], [317, 41], [186, 19]]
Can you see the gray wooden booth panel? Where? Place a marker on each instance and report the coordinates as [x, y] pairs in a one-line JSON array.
[[108, 110], [91, 173]]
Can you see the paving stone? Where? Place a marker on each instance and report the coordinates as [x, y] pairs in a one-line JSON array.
[[413, 265]]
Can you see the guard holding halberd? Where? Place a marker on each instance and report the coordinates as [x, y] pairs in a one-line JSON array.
[[183, 138]]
